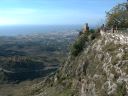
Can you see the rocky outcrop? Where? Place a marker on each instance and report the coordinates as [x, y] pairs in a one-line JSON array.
[[100, 69]]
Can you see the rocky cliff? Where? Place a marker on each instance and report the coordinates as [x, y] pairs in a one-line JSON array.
[[99, 69]]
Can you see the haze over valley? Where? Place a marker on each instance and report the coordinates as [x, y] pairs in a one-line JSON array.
[[25, 56], [64, 48]]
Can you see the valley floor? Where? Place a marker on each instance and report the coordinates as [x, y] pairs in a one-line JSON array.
[[17, 89]]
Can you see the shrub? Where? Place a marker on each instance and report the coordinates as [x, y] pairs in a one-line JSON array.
[[78, 46], [118, 16], [121, 89], [82, 40], [92, 30]]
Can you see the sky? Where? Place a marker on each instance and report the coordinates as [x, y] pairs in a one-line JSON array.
[[54, 12]]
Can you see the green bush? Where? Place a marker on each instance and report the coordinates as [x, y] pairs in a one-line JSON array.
[[78, 46], [118, 16], [92, 30], [82, 40], [121, 89]]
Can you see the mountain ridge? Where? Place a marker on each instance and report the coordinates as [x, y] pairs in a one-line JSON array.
[[99, 69]]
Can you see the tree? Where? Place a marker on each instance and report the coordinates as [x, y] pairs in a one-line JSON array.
[[118, 16]]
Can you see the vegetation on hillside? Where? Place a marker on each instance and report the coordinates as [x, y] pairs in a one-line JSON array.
[[82, 42], [118, 16], [98, 67]]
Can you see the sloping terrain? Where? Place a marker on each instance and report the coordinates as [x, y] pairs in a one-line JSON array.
[[100, 68]]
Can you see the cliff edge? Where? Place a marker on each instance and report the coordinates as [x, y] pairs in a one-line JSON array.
[[100, 68]]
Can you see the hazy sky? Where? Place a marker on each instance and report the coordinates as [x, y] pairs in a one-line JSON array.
[[54, 11]]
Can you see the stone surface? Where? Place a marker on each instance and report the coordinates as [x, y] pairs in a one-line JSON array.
[[101, 69]]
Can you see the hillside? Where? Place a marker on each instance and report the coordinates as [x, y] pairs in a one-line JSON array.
[[100, 68]]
